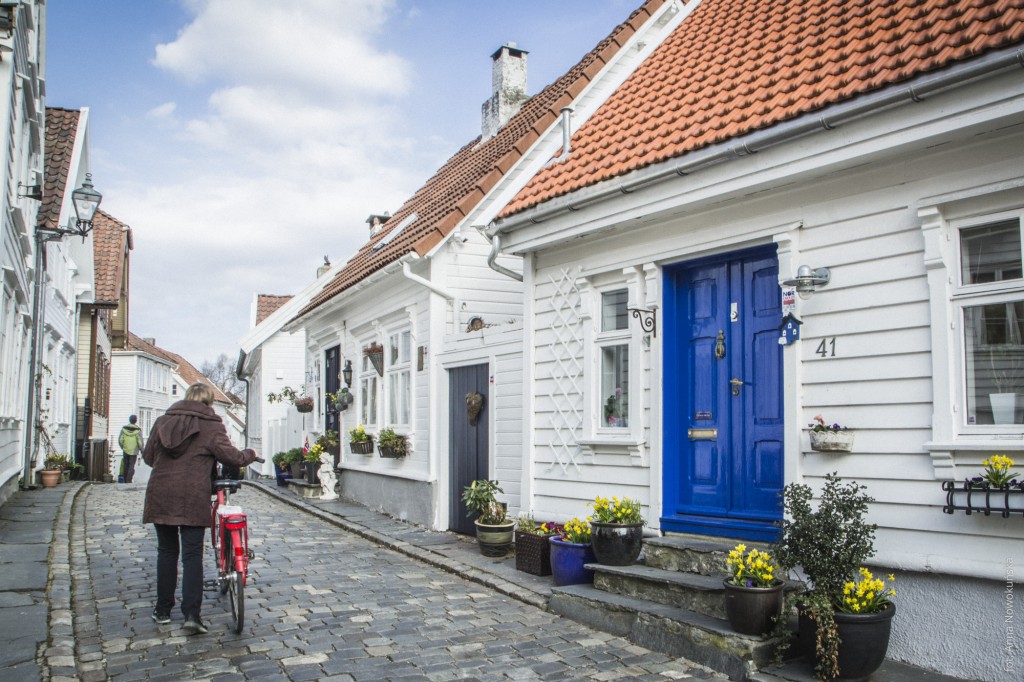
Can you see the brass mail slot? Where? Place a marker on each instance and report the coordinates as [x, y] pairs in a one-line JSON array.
[[703, 434]]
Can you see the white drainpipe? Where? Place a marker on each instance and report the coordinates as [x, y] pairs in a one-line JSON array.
[[492, 260], [440, 291]]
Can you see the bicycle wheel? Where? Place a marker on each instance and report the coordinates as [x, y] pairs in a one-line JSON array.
[[229, 561], [236, 594]]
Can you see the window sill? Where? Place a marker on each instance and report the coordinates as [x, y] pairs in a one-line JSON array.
[[615, 445], [944, 453]]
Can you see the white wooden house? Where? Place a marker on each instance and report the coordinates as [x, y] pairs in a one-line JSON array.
[[881, 141], [146, 380], [269, 360], [68, 277], [21, 129], [446, 324]]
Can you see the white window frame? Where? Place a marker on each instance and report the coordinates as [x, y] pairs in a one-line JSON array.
[[611, 339], [965, 296], [368, 373], [956, 447], [397, 368]]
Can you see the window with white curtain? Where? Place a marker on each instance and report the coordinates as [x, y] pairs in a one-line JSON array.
[[369, 389]]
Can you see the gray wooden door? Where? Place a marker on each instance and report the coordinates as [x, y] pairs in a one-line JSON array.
[[469, 450]]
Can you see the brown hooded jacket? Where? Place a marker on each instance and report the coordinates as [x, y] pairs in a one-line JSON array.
[[183, 446]]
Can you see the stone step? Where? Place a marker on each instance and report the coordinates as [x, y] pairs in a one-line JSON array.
[[667, 629], [691, 591], [693, 553]]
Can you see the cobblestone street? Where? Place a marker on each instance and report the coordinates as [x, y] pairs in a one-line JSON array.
[[324, 604]]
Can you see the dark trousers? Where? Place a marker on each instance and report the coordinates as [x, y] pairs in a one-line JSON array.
[[191, 550], [129, 467]]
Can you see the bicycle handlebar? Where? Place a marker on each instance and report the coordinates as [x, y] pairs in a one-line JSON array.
[[260, 460]]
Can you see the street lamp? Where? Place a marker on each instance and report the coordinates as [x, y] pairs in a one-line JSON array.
[[85, 200]]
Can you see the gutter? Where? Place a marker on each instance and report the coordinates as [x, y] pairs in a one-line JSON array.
[[861, 107], [492, 259], [241, 377], [440, 291]]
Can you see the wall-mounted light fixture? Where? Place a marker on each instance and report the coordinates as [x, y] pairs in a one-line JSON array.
[[648, 319], [807, 280], [346, 374]]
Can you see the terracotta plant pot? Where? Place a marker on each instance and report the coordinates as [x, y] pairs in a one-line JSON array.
[[50, 477]]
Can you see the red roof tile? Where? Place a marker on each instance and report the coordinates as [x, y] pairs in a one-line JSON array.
[[182, 366], [267, 304], [737, 66], [61, 129], [111, 241], [455, 189]]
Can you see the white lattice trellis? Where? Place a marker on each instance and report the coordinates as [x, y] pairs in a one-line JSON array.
[[567, 375]]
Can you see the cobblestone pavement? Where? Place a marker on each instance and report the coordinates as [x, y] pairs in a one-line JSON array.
[[325, 604]]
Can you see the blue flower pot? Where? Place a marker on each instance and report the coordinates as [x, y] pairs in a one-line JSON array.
[[567, 560]]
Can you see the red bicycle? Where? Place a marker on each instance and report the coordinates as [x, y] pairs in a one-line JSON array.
[[229, 535]]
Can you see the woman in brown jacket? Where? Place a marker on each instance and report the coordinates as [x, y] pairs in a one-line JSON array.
[[184, 445]]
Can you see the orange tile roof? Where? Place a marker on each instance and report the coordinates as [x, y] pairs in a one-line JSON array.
[[111, 240], [737, 66], [458, 186], [183, 367], [61, 129], [267, 304]]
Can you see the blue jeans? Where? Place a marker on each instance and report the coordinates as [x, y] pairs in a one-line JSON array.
[[191, 550]]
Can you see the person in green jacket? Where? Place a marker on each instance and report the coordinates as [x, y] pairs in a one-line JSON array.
[[130, 441]]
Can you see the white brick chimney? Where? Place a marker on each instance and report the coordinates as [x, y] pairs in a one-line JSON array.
[[508, 88]]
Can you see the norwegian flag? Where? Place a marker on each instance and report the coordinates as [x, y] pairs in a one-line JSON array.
[[305, 448]]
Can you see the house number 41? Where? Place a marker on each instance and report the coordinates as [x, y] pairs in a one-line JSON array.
[[827, 348]]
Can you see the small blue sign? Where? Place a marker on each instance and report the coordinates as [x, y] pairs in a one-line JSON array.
[[789, 329]]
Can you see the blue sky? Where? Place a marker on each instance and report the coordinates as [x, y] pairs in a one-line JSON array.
[[243, 140]]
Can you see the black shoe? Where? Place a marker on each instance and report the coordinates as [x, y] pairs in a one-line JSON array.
[[195, 626], [160, 618]]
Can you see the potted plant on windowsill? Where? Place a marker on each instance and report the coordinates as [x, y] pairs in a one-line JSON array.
[[493, 527], [617, 530], [533, 551], [391, 445], [830, 544], [996, 490], [360, 442], [830, 438]]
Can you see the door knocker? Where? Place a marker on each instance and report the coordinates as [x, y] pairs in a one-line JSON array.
[[474, 404], [720, 345]]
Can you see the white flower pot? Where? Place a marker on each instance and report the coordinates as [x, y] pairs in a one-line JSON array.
[[832, 441], [1004, 405]]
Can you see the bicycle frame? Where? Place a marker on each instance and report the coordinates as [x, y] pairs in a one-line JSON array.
[[229, 530]]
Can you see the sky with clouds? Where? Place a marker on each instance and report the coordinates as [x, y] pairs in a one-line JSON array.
[[244, 140]]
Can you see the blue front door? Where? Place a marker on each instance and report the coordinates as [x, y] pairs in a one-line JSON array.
[[723, 453]]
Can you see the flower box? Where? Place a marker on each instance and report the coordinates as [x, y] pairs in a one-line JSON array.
[[304, 404], [388, 452], [832, 441], [362, 447], [985, 498], [533, 553]]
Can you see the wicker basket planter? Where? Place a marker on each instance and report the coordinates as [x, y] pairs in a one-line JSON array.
[[362, 447], [533, 553], [304, 404]]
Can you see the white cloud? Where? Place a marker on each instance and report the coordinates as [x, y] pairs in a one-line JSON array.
[[299, 140]]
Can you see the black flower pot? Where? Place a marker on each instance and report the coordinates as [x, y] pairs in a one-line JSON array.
[[863, 640], [361, 447], [312, 472], [533, 553], [752, 610], [616, 544]]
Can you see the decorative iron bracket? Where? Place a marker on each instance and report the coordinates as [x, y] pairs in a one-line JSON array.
[[648, 320]]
